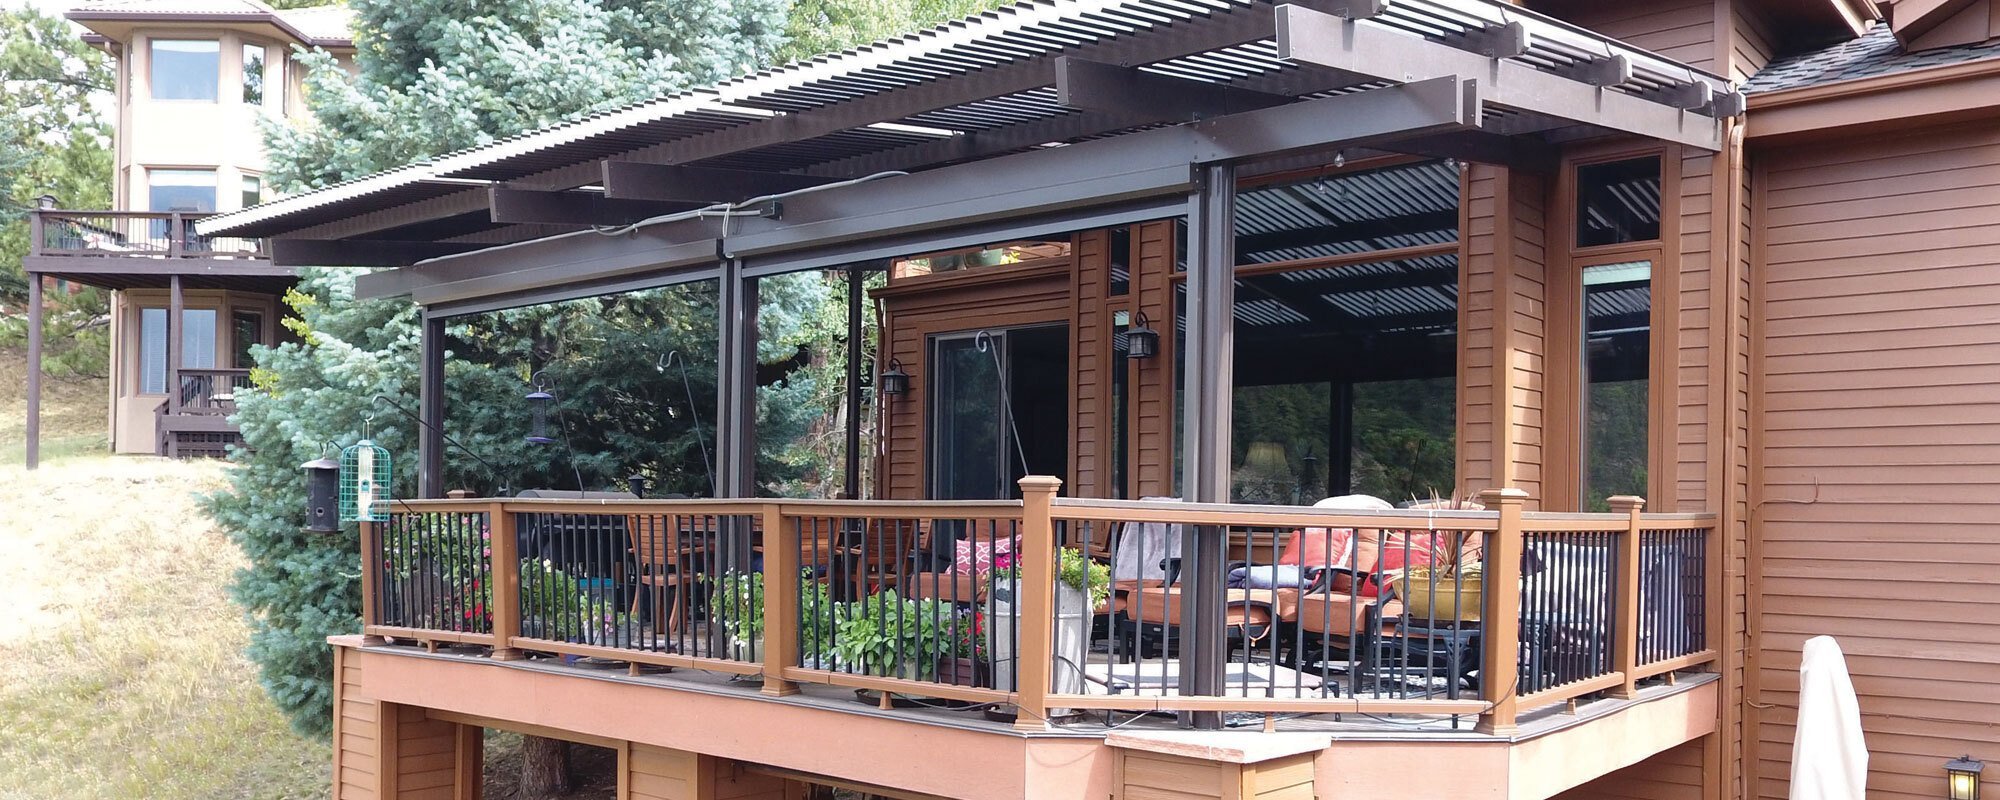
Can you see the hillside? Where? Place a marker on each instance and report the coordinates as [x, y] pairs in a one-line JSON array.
[[73, 412]]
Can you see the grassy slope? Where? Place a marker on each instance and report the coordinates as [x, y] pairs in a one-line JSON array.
[[73, 412], [121, 657]]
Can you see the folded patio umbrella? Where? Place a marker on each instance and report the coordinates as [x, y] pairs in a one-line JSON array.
[[1829, 758]]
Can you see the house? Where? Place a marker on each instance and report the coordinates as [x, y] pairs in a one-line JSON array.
[[194, 77], [1703, 285]]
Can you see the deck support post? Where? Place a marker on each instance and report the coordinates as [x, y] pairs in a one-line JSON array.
[[1500, 663], [1625, 600], [430, 408], [176, 317], [781, 602], [735, 418], [35, 360], [1034, 664], [1205, 463], [857, 278], [506, 605]]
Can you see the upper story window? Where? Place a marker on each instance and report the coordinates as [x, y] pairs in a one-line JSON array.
[[253, 74], [180, 190], [1618, 202], [253, 190], [186, 69]]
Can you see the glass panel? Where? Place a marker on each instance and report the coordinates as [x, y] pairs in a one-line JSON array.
[[198, 338], [967, 436], [186, 69], [246, 331], [253, 74], [1618, 202], [1617, 360], [191, 190], [976, 257], [153, 351], [1280, 433], [1405, 438], [253, 190], [803, 415], [1121, 262], [1347, 213], [1121, 423]]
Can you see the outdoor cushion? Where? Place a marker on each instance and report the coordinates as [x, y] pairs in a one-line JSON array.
[[976, 556]]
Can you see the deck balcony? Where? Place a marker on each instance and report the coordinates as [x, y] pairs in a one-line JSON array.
[[1499, 641], [160, 253]]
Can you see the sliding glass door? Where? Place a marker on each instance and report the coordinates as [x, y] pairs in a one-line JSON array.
[[999, 410]]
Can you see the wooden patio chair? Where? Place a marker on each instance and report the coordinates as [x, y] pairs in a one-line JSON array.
[[666, 558]]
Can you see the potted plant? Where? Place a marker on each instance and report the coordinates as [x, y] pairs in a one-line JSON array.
[[738, 604], [1081, 586], [964, 660], [889, 636]]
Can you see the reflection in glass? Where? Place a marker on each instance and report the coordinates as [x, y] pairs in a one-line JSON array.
[[1617, 361], [185, 69], [1618, 202]]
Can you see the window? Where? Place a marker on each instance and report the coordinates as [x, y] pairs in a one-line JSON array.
[[1617, 364], [246, 330], [180, 190], [1618, 202], [186, 69], [197, 345], [253, 74], [253, 190]]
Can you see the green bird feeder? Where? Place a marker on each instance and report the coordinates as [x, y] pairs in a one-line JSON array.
[[364, 483]]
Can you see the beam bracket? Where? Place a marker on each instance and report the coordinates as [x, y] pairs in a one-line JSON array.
[[1610, 70], [1510, 40], [1358, 9]]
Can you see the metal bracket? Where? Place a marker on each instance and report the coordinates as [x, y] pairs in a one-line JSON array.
[[1358, 9], [1694, 96], [1495, 41], [1608, 71], [1728, 104]]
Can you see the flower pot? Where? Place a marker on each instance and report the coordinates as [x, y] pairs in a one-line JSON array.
[[1072, 637], [961, 672], [747, 650]]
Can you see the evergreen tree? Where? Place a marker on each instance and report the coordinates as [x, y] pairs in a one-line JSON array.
[[52, 139]]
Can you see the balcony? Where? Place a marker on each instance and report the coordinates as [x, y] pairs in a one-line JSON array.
[[156, 235], [1516, 636]]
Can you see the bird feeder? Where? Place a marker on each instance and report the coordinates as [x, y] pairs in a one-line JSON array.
[[539, 402], [364, 483], [322, 495]]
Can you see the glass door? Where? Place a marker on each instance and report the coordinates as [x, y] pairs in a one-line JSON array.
[[999, 410]]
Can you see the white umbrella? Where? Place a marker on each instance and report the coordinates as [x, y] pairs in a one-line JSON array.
[[1829, 758]]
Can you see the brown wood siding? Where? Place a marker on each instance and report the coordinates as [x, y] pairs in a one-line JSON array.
[[1476, 434], [990, 297], [657, 773], [1090, 381], [1688, 484], [1527, 312], [1673, 775], [426, 755], [356, 751], [1880, 444], [1153, 382], [1683, 30], [1751, 42]]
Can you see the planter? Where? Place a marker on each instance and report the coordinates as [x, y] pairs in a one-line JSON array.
[[1072, 637], [962, 672], [751, 650]]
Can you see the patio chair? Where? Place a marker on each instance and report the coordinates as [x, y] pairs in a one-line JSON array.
[[668, 561]]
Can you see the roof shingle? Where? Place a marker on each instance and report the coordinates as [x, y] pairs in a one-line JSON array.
[[1871, 54]]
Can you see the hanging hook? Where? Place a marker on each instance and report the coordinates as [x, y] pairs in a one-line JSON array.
[[672, 358]]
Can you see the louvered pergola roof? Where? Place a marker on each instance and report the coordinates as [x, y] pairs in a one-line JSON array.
[[1026, 77]]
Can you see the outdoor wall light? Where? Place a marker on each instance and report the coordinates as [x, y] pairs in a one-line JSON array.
[[894, 382], [539, 401], [322, 494], [1141, 341], [1963, 774]]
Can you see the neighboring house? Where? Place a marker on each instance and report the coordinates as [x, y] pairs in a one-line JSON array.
[[194, 77], [1768, 313]]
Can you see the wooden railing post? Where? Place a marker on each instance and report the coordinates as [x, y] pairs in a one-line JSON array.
[[1500, 666], [38, 243], [1035, 607], [506, 577], [174, 235], [781, 602], [371, 582], [1625, 623]]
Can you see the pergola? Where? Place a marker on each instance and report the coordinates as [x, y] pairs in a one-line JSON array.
[[1047, 115]]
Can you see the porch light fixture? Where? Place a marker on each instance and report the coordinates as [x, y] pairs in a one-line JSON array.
[[1963, 774], [539, 401], [894, 382], [322, 494], [1141, 341]]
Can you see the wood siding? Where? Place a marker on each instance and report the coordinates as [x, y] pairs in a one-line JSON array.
[[1880, 444], [426, 754], [1153, 283], [1503, 337], [659, 773], [1091, 330], [1683, 30], [356, 741], [1477, 434]]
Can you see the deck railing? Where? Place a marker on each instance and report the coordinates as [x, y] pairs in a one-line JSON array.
[[131, 234], [208, 391], [1460, 614]]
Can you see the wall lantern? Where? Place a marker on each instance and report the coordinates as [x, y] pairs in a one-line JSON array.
[[539, 401], [1141, 341], [1963, 773], [894, 381], [322, 494]]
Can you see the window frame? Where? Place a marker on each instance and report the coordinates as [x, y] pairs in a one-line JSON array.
[[153, 71], [214, 186], [263, 73], [1563, 456]]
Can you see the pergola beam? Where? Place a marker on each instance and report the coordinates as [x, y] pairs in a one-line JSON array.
[[517, 206], [360, 252], [1315, 37], [1095, 86], [632, 180]]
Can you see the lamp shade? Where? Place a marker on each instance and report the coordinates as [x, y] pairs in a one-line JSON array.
[[894, 382], [1141, 341], [1963, 777]]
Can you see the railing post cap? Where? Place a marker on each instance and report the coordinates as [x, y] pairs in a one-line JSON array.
[[1046, 483], [1626, 502], [458, 494], [1508, 494]]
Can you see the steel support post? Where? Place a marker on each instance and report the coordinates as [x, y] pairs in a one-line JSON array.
[[430, 408], [1211, 301]]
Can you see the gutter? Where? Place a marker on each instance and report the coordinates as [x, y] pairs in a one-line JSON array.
[[1953, 91]]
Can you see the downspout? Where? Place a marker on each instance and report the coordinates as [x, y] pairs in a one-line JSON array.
[[1733, 494]]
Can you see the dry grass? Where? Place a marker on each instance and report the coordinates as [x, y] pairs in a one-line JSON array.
[[121, 656], [73, 412]]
